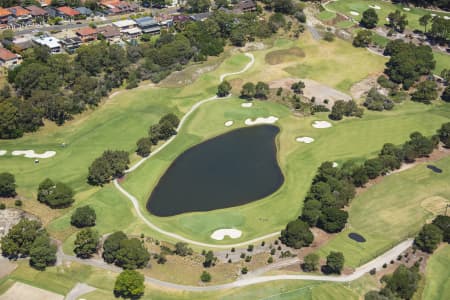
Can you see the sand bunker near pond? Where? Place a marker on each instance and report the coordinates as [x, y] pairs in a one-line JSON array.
[[32, 154], [3, 152], [220, 234], [24, 291], [374, 6], [313, 89], [321, 124], [229, 123], [261, 120], [247, 104], [354, 13], [305, 139]]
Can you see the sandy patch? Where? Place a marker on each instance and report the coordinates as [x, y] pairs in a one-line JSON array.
[[433, 15], [247, 104], [220, 234], [24, 291], [3, 152], [335, 164], [374, 6], [229, 123], [305, 139], [446, 18], [436, 204], [406, 8], [360, 89], [387, 19], [321, 124], [261, 120], [32, 154], [354, 13]]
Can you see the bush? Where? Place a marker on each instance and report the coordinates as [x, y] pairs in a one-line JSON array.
[[250, 248], [182, 249], [205, 277], [223, 89], [311, 262], [7, 185], [244, 270], [18, 203], [129, 284], [428, 238], [144, 146], [297, 234], [83, 216], [328, 36], [55, 194], [248, 258], [2, 206], [270, 260]]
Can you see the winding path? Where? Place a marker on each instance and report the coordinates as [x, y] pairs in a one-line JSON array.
[[183, 120]]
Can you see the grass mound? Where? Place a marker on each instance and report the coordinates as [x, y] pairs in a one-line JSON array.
[[280, 56]]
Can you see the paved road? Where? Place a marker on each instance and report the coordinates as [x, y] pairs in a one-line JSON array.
[[252, 278], [78, 290]]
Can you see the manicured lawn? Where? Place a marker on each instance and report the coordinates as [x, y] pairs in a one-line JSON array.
[[442, 62], [394, 206], [326, 15], [345, 24], [437, 275], [359, 6]]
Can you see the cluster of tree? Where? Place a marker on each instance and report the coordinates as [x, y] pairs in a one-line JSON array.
[[7, 185], [210, 259], [83, 216], [431, 235], [334, 264], [445, 74], [426, 91], [28, 239], [128, 253], [402, 284], [129, 284], [377, 101], [250, 90], [397, 21], [297, 87], [343, 108], [408, 62], [444, 4], [86, 243], [55, 194], [363, 39], [166, 127], [297, 234], [112, 164], [223, 89]]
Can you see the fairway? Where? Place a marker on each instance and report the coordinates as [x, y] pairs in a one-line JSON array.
[[437, 280]]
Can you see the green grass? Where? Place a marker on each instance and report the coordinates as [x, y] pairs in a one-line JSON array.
[[345, 24], [345, 7], [437, 275], [395, 206], [379, 40], [326, 15], [442, 62]]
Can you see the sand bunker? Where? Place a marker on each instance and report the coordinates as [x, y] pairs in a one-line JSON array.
[[335, 164], [220, 234], [406, 8], [305, 139], [268, 120], [374, 6], [248, 104], [446, 17], [3, 152], [354, 13], [321, 124], [229, 123], [32, 154]]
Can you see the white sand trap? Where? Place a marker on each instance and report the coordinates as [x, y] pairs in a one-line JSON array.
[[268, 120], [387, 19], [374, 6], [321, 124], [406, 8], [229, 123], [354, 13], [446, 17], [247, 104], [3, 152], [32, 154], [335, 164], [305, 139], [434, 15], [220, 234]]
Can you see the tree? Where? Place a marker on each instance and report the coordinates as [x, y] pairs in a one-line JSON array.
[[284, 6], [199, 6], [261, 90], [369, 19], [373, 167], [297, 87], [311, 211], [55, 195], [424, 20], [343, 108], [443, 223], [440, 30], [444, 134], [248, 91], [7, 185], [19, 240], [83, 216], [144, 146], [129, 284], [428, 238], [398, 21], [377, 101], [171, 119], [205, 277], [403, 282], [332, 219], [86, 243], [10, 127], [210, 259], [112, 164], [182, 249], [42, 252], [223, 89], [335, 262], [311, 262], [276, 21], [446, 94], [426, 92], [297, 234], [363, 39], [112, 245], [132, 254]]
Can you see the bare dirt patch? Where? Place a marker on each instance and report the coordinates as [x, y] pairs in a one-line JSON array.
[[24, 291], [10, 217], [281, 56], [6, 267], [360, 89]]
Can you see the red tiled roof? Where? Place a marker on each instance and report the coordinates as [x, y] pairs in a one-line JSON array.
[[68, 11], [86, 31], [18, 11], [36, 11], [4, 12], [5, 54]]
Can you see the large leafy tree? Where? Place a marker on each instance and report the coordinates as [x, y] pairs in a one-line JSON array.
[[335, 262], [55, 194], [42, 252], [369, 18], [129, 284], [86, 243], [443, 223], [297, 234], [7, 185], [112, 245], [132, 254], [428, 238], [83, 216]]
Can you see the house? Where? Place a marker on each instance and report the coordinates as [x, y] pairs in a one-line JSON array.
[[164, 20], [86, 34], [124, 24], [53, 44], [115, 7], [21, 43], [201, 16], [131, 33], [4, 15], [71, 44], [245, 6], [22, 15], [109, 32], [37, 12], [45, 3], [148, 25], [84, 11], [180, 19], [67, 12], [9, 59]]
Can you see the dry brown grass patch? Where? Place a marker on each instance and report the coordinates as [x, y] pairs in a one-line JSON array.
[[281, 56]]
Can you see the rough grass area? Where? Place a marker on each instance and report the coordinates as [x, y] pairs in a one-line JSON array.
[[326, 15], [280, 56], [345, 24], [437, 275], [442, 62]]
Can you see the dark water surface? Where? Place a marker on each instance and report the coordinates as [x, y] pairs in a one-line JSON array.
[[229, 170], [434, 169], [356, 237]]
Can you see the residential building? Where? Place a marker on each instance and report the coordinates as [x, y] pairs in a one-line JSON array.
[[21, 43], [21, 14], [164, 20], [109, 32], [53, 44], [44, 3], [37, 12], [86, 34], [125, 24], [201, 16], [245, 6], [84, 11], [71, 44], [115, 7], [148, 25], [9, 59], [131, 33], [67, 12], [4, 15]]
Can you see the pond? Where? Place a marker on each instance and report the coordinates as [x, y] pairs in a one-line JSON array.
[[434, 169], [229, 170], [356, 237]]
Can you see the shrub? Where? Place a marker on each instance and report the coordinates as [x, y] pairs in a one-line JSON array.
[[83, 216], [7, 185], [205, 277], [297, 234], [129, 284], [18, 203], [55, 194], [244, 270]]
